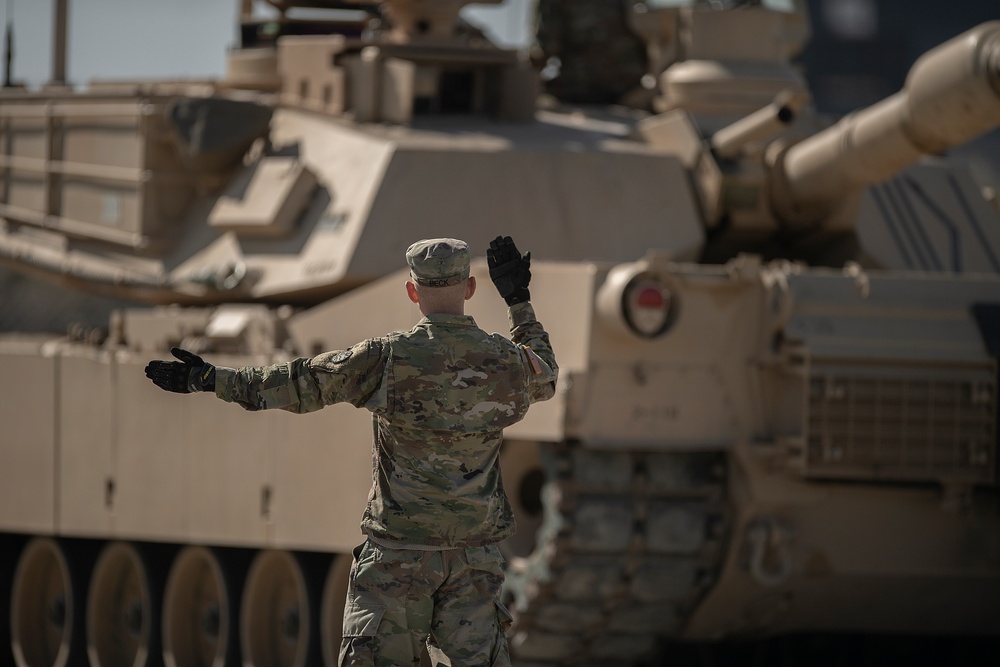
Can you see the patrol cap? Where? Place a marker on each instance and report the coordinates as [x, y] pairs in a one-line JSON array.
[[438, 262]]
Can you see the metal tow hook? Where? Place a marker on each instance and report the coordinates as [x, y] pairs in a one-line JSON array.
[[770, 550]]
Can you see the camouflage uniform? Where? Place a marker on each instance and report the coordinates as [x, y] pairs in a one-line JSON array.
[[440, 395]]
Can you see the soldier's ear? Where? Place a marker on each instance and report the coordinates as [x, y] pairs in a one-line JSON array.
[[470, 288], [411, 291]]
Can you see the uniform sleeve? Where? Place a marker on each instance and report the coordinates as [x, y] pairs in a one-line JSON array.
[[305, 385], [536, 351]]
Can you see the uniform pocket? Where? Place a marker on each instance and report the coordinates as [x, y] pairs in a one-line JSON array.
[[361, 623], [488, 555], [503, 617], [501, 652], [277, 397]]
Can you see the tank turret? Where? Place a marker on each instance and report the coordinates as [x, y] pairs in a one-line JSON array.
[[952, 95], [201, 168], [775, 182]]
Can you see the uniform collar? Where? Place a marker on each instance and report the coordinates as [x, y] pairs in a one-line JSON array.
[[451, 320]]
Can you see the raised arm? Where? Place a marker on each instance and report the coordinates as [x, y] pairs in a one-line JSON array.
[[511, 273]]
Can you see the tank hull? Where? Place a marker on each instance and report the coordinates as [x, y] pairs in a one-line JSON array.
[[703, 511]]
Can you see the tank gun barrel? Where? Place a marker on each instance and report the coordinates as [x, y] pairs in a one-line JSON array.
[[951, 95]]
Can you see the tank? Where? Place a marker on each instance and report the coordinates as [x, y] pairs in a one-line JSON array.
[[778, 338]]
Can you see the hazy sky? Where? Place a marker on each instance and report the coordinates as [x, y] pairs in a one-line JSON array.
[[122, 39]]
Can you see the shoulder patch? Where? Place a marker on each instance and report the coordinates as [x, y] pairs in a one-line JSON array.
[[328, 360], [340, 357]]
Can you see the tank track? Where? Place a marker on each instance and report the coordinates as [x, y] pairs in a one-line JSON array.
[[630, 542]]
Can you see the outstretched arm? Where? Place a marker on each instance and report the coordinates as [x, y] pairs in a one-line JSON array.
[[302, 385]]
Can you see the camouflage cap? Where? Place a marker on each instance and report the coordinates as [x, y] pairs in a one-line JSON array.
[[438, 262]]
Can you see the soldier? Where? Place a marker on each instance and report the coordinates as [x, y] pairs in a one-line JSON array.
[[441, 394]]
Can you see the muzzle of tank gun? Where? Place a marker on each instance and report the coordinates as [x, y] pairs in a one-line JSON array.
[[762, 124], [951, 96]]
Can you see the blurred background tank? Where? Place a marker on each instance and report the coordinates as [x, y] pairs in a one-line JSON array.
[[778, 336], [858, 52]]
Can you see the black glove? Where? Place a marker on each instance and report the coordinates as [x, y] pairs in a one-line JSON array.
[[189, 374], [509, 271]]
